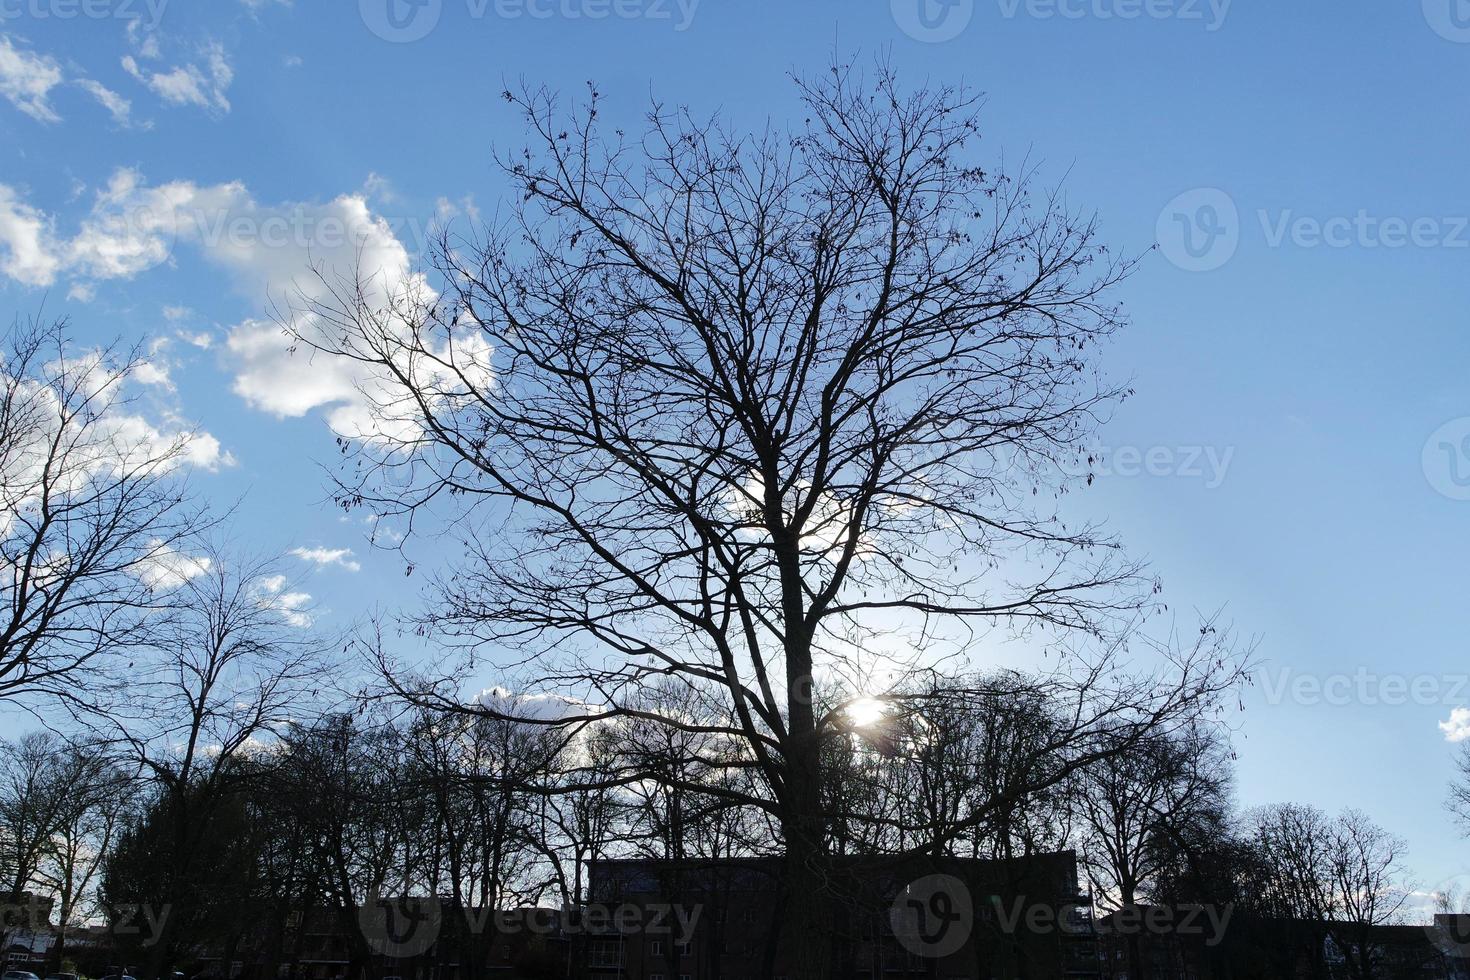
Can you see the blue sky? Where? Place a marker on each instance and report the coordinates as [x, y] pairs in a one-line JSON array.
[[1299, 344]]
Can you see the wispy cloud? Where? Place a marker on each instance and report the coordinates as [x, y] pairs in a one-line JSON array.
[[190, 84], [323, 557], [120, 108], [26, 80], [271, 593]]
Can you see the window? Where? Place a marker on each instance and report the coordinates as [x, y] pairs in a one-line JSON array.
[[656, 948], [655, 976], [605, 953], [684, 950]]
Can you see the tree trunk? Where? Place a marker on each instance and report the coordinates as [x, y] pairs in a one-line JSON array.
[[809, 900], [809, 920]]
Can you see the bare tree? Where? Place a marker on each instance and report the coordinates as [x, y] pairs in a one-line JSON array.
[[93, 807], [53, 797], [722, 409], [347, 784], [31, 791], [1459, 800], [1343, 876], [1135, 807], [91, 512], [578, 811], [1370, 886], [231, 666]]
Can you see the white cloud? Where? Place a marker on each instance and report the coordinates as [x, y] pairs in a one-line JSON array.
[[271, 593], [189, 84], [26, 80], [120, 108], [133, 227], [165, 569], [322, 557], [1457, 728], [153, 373], [205, 452], [379, 188], [201, 339], [293, 252], [118, 438], [545, 707], [28, 252], [147, 44], [130, 228]]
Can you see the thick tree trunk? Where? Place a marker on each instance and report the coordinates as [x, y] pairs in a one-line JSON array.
[[810, 919], [809, 922], [808, 933]]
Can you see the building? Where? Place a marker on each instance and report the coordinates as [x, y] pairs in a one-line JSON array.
[[25, 932], [699, 920], [1257, 948]]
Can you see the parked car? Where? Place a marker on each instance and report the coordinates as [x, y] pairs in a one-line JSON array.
[[19, 975], [119, 976], [62, 976]]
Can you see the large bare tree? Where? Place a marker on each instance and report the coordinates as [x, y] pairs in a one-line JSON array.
[[731, 411], [91, 512]]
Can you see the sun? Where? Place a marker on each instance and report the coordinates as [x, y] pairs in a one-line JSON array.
[[865, 712]]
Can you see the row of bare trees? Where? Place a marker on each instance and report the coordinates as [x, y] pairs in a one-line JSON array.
[[341, 808]]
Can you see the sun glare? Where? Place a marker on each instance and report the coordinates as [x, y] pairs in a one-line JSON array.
[[865, 712]]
